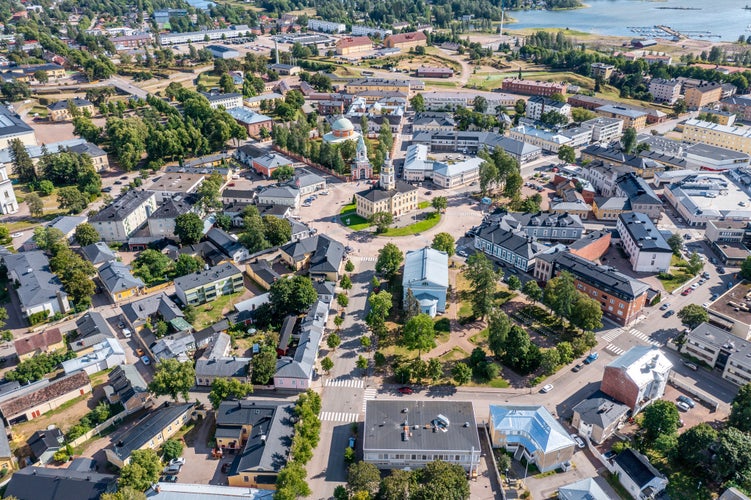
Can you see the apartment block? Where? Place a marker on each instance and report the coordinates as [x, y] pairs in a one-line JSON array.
[[663, 90], [722, 351], [538, 105], [532, 87], [123, 217], [703, 94], [605, 130], [205, 286], [647, 248], [631, 117], [723, 136]]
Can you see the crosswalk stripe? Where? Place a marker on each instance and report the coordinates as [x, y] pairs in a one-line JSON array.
[[614, 349], [337, 416], [368, 259], [643, 336], [368, 394], [612, 335], [345, 382]]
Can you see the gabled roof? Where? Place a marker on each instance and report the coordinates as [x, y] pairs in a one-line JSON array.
[[144, 308], [41, 483], [532, 426], [311, 332], [122, 207], [644, 233], [642, 364], [117, 277], [222, 367], [41, 340], [53, 390], [11, 124], [202, 278], [325, 253], [98, 252], [77, 102], [4, 444], [585, 489], [637, 467], [126, 381], [145, 430], [171, 208], [37, 284], [44, 440], [601, 410], [224, 241], [426, 265]]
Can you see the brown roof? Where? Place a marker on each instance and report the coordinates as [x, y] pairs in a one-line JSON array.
[[40, 340], [53, 390], [407, 37], [353, 41]]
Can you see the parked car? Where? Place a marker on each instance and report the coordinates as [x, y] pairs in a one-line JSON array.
[[683, 406], [226, 467], [146, 360], [687, 291], [592, 358], [665, 306], [168, 479], [692, 366], [609, 454], [694, 286], [721, 270], [405, 390], [578, 367], [686, 236], [669, 313], [687, 400], [547, 388], [139, 352], [461, 253], [172, 469], [706, 304], [127, 333], [177, 461], [579, 441]]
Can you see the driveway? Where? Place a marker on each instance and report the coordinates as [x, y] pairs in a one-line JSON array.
[[199, 467]]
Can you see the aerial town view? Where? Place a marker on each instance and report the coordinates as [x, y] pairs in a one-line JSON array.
[[375, 249]]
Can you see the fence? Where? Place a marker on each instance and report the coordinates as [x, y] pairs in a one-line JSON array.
[[99, 428], [157, 288], [495, 472]]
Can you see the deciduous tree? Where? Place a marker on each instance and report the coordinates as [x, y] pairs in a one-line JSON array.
[[35, 204], [173, 378], [444, 242], [419, 333], [224, 388], [86, 234], [482, 278], [740, 413], [661, 417], [499, 327], [189, 228], [693, 315], [142, 471], [263, 365], [461, 373], [389, 261]]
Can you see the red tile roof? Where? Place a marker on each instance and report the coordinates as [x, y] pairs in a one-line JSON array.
[[407, 37], [53, 390], [40, 340], [353, 41]]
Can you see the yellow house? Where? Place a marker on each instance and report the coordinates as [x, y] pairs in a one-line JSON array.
[[47, 341], [260, 432], [119, 282], [631, 117], [60, 111], [610, 208], [378, 84], [150, 433]]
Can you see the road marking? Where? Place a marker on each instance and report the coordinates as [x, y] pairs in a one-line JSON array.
[[614, 349], [345, 382], [338, 416], [612, 335], [368, 259], [368, 394], [643, 336]]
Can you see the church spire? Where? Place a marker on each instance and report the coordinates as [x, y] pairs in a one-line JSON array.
[[388, 179]]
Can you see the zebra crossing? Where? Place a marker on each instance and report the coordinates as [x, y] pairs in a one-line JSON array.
[[368, 259], [337, 416], [643, 336], [614, 349], [368, 394], [612, 335], [345, 382]]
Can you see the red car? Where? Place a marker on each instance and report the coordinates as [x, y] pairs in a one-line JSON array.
[[405, 390], [686, 291]]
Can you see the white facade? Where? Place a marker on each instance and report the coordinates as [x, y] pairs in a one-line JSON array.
[[457, 174], [605, 130], [107, 354], [285, 196], [8, 202], [537, 106], [667, 91], [436, 101], [326, 26], [200, 36], [228, 101], [122, 224], [647, 249], [359, 30], [547, 141]]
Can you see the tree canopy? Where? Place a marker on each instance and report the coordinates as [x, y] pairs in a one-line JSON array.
[[173, 378]]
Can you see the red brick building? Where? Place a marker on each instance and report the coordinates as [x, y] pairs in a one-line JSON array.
[[532, 87], [637, 377]]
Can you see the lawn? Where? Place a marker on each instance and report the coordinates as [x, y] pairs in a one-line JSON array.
[[423, 204], [430, 222], [210, 313], [676, 279], [479, 338], [454, 354], [349, 218]]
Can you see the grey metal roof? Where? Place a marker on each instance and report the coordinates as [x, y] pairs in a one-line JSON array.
[[311, 332], [601, 410], [44, 440], [644, 233], [98, 253], [77, 102], [280, 192], [510, 239], [144, 308], [41, 483], [187, 491], [4, 444], [202, 278], [268, 443], [117, 277], [154, 423], [585, 489], [11, 124], [224, 241], [384, 426], [37, 283], [377, 193], [304, 178], [123, 206], [92, 329], [637, 190], [171, 208], [426, 265], [222, 367], [126, 381], [325, 253]]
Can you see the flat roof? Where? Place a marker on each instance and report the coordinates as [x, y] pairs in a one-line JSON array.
[[728, 303], [432, 425], [712, 195]]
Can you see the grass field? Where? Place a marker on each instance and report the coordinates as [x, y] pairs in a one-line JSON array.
[[210, 313], [349, 218]]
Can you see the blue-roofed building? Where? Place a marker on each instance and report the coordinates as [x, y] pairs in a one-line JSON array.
[[426, 273], [222, 52], [531, 432], [586, 489]]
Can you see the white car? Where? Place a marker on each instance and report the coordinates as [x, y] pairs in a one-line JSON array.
[[579, 441], [177, 461], [683, 406], [547, 388], [17, 235]]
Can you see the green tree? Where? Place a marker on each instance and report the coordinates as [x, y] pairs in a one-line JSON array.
[[290, 482], [152, 266], [224, 388], [628, 141], [400, 484], [676, 243], [549, 361], [161, 329], [419, 333], [283, 173], [49, 239], [442, 480], [124, 493], [345, 282], [326, 364], [380, 305], [86, 234], [661, 417], [693, 315], [461, 373], [411, 306], [695, 264], [499, 327], [71, 199], [365, 342], [349, 266], [418, 103], [733, 456], [680, 107], [567, 154], [277, 231], [581, 115], [363, 476], [173, 378], [45, 187], [444, 242], [172, 449], [693, 448], [390, 259], [520, 353], [740, 413], [439, 203], [482, 278], [532, 290], [746, 269], [565, 352], [189, 228], [187, 264], [263, 366], [292, 295], [480, 104], [333, 341], [586, 313], [342, 300], [435, 369], [35, 204], [22, 164], [227, 84], [142, 471], [362, 362], [560, 294], [514, 283], [382, 221]]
